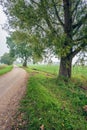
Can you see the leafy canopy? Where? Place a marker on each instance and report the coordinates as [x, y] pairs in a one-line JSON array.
[[46, 19]]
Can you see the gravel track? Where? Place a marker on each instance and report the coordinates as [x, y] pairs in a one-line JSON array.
[[12, 89]]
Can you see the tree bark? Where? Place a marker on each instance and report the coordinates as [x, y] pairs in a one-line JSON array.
[[25, 63], [66, 61], [65, 67]]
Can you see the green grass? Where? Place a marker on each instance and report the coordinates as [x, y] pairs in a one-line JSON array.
[[77, 71], [5, 69], [56, 105], [46, 68]]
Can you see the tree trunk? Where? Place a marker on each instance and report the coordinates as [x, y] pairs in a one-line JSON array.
[[65, 67], [66, 61], [25, 63]]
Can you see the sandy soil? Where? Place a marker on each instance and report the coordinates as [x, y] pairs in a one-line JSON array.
[[12, 88]]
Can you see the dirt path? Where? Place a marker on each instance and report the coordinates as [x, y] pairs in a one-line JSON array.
[[12, 88]]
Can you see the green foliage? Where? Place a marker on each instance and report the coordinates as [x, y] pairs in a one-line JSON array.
[[56, 106], [60, 48], [26, 46], [11, 46], [5, 69], [19, 50], [7, 59], [20, 36], [47, 18]]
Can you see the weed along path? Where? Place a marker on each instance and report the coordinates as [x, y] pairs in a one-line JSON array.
[[12, 88]]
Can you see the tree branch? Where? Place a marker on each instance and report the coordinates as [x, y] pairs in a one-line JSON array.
[[54, 4], [75, 8], [76, 30], [81, 38], [76, 51], [40, 27], [34, 2], [79, 24], [47, 18]]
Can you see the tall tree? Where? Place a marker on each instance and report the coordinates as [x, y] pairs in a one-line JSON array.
[[21, 50], [62, 23]]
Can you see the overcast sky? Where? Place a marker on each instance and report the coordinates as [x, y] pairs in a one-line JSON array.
[[3, 33]]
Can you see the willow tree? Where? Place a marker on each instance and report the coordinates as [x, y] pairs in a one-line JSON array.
[[62, 23]]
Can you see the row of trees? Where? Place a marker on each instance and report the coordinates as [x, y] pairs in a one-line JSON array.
[[60, 25], [21, 50], [24, 53]]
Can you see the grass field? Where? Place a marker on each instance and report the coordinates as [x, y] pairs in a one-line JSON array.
[[54, 105], [4, 69], [78, 72], [46, 68]]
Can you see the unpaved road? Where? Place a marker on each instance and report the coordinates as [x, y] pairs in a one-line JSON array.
[[12, 88]]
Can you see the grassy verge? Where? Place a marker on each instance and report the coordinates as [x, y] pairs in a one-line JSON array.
[[57, 106], [5, 69]]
